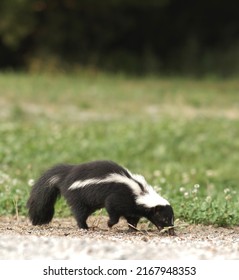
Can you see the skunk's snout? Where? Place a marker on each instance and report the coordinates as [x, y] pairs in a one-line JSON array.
[[169, 230]]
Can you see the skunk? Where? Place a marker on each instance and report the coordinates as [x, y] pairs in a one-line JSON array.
[[95, 185]]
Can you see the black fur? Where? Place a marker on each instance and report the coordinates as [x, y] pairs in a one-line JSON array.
[[118, 199]]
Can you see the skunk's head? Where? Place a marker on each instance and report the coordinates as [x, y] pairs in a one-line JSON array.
[[162, 216]]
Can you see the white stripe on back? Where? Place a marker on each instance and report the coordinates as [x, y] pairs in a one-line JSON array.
[[111, 178], [149, 198]]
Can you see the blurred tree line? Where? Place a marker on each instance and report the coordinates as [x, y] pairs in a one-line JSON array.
[[166, 36]]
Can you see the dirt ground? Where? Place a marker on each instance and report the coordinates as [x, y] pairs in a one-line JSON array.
[[61, 227], [98, 229], [190, 241]]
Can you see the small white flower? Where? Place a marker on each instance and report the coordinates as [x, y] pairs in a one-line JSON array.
[[194, 191], [227, 190], [208, 199], [196, 186], [31, 182], [182, 189], [186, 194]]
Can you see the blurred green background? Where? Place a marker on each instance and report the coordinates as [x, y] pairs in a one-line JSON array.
[[152, 85]]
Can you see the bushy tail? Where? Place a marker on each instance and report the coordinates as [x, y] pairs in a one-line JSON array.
[[44, 194]]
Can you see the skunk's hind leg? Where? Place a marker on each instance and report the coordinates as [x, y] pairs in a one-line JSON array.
[[81, 214]]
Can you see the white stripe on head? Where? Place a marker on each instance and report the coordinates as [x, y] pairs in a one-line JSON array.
[[151, 199], [140, 179]]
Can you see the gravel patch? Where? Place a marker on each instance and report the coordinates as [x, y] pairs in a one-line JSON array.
[[61, 239]]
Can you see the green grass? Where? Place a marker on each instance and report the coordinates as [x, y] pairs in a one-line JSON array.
[[179, 133]]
